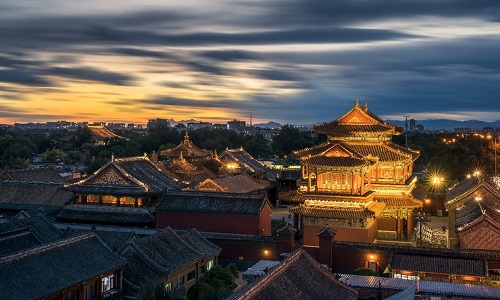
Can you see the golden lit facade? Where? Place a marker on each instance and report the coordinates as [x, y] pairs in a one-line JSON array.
[[357, 182]]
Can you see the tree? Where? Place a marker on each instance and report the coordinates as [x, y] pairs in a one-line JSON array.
[[364, 272], [53, 155], [218, 286], [154, 291], [290, 139]]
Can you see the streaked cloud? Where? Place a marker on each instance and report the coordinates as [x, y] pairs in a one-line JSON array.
[[298, 61]]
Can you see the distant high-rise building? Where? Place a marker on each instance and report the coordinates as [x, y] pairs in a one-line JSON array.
[[412, 124], [157, 122], [236, 125]]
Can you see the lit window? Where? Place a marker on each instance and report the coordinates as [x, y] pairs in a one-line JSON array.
[[210, 265], [108, 283], [168, 286]]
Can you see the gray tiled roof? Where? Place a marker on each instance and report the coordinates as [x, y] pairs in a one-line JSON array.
[[214, 203], [156, 256], [104, 214], [197, 242], [440, 265], [147, 178], [424, 286], [31, 195], [44, 174], [20, 234], [461, 188], [299, 276], [54, 267], [467, 214]]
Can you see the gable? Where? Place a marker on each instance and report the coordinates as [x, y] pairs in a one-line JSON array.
[[337, 152], [110, 176], [355, 117], [210, 185]]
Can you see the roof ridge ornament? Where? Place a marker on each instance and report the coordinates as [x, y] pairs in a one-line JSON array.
[[186, 137], [356, 104]]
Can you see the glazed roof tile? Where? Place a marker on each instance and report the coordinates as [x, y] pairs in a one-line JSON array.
[[396, 202], [336, 129], [186, 149], [100, 133], [43, 271], [334, 212], [383, 151], [244, 159], [213, 203], [336, 161], [299, 275], [316, 150], [106, 214], [242, 183], [140, 175], [439, 265]]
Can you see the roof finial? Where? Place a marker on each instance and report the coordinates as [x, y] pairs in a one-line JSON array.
[[112, 157], [215, 154], [145, 154], [181, 158], [357, 102], [366, 106], [186, 137]]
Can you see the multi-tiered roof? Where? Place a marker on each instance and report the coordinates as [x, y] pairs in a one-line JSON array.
[[187, 150], [358, 122]]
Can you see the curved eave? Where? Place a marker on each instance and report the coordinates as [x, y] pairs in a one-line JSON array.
[[344, 162], [109, 190], [332, 212]]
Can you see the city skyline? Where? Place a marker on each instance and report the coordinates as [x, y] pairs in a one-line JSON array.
[[290, 62]]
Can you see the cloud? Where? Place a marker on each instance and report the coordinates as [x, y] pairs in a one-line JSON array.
[[91, 74]]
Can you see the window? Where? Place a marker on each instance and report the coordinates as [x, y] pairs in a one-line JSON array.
[[181, 280], [168, 286], [108, 283], [72, 295], [90, 291], [210, 264], [202, 269], [191, 275]]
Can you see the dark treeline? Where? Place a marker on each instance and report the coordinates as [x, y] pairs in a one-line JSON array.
[[439, 152]]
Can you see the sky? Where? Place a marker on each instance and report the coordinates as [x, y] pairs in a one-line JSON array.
[[289, 61]]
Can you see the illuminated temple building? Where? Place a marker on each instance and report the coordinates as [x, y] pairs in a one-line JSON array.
[[358, 182]]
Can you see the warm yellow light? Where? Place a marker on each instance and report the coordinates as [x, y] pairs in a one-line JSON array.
[[478, 198], [427, 201], [266, 252]]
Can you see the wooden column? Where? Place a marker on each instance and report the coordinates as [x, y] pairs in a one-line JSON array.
[[309, 181], [409, 229]]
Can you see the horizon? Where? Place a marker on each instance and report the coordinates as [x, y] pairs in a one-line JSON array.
[[287, 61]]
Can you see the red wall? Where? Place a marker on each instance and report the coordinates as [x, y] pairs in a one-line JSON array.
[[351, 234], [216, 223], [265, 221]]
